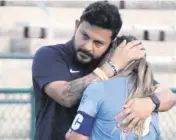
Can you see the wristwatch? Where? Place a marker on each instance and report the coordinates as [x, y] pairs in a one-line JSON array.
[[156, 101]]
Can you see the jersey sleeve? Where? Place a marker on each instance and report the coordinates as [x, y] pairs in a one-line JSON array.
[[92, 99], [89, 106], [48, 66]]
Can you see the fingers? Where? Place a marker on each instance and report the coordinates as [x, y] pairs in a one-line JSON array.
[[128, 119], [128, 103], [136, 48], [130, 44], [141, 54], [133, 44], [122, 44], [123, 113], [138, 52], [132, 124]]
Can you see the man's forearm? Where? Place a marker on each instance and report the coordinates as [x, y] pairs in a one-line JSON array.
[[72, 91], [167, 99]]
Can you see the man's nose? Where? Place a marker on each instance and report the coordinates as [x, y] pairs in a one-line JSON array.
[[89, 46]]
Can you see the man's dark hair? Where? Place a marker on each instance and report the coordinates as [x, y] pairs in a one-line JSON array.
[[103, 14]]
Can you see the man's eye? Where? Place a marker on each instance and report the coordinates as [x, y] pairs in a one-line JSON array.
[[85, 36], [98, 44]]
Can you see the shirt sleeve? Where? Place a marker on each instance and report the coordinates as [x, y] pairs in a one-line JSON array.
[[48, 66], [93, 98]]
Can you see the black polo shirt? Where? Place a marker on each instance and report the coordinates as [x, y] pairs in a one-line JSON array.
[[54, 63]]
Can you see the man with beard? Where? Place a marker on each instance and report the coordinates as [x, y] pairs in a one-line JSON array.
[[61, 72]]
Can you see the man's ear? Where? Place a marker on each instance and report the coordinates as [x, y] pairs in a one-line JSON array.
[[77, 22]]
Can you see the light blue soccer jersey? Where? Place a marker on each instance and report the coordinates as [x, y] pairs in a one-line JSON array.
[[103, 100]]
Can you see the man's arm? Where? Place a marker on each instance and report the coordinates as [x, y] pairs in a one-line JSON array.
[[166, 96], [69, 93], [54, 82], [140, 108], [50, 73]]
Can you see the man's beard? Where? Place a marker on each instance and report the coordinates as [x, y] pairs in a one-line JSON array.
[[84, 56], [94, 62]]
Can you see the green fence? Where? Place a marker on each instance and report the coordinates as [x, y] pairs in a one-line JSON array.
[[11, 102], [17, 112]]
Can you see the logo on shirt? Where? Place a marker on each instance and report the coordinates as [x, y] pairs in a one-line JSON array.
[[73, 71], [84, 97]]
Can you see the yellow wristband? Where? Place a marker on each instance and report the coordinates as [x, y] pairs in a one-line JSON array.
[[101, 74]]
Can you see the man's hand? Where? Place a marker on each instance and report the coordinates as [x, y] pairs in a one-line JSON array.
[[135, 110], [122, 55], [125, 53]]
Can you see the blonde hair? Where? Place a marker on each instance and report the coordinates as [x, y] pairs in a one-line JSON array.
[[140, 78]]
